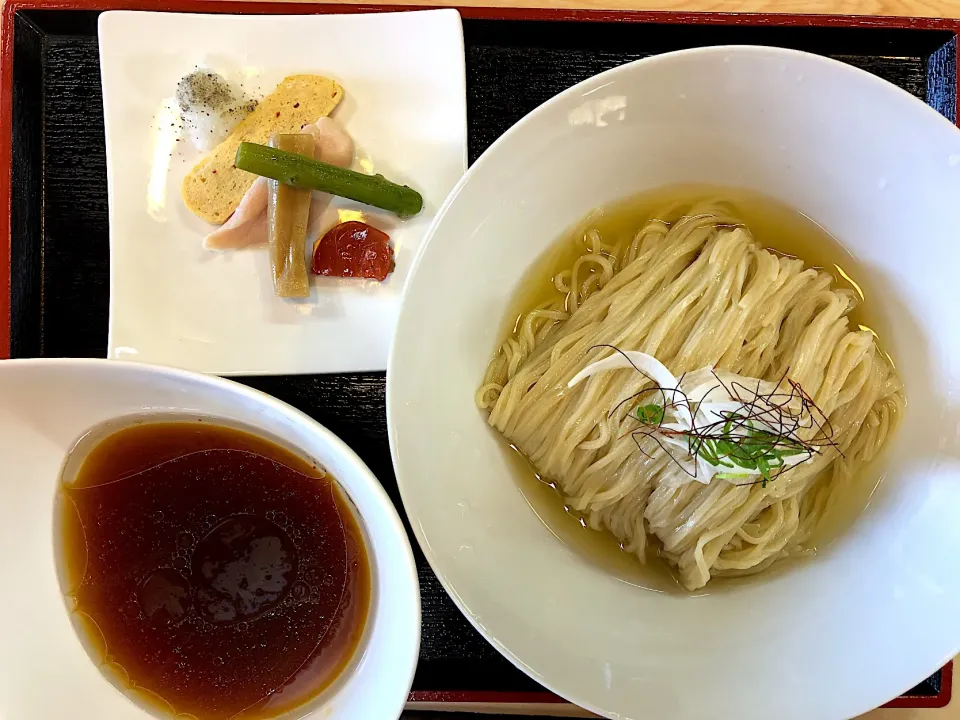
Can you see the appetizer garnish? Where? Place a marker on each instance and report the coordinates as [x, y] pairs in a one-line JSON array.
[[716, 424], [214, 188], [354, 249], [278, 192], [288, 210], [307, 174]]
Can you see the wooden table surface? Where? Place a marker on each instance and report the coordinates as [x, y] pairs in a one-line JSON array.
[[902, 8]]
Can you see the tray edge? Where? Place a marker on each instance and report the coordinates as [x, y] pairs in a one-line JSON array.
[[11, 7]]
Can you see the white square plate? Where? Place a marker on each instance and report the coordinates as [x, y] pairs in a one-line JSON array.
[[173, 302]]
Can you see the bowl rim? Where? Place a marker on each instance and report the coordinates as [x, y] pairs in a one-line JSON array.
[[391, 530], [715, 53], [598, 79]]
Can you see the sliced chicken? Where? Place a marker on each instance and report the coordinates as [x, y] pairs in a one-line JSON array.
[[248, 223], [334, 145]]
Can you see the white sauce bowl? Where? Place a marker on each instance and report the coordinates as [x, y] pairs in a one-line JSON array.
[[45, 406]]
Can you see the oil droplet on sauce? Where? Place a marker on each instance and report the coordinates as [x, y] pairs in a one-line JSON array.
[[244, 568]]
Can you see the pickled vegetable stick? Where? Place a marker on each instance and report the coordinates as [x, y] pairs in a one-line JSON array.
[[288, 211]]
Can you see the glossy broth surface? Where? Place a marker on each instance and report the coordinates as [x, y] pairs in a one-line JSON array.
[[775, 226]]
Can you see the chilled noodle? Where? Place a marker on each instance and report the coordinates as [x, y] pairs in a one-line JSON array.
[[694, 290]]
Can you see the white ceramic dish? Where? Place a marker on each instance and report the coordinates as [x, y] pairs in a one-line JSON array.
[[877, 168], [45, 406], [174, 303]]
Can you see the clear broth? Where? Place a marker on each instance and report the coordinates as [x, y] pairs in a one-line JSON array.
[[775, 226]]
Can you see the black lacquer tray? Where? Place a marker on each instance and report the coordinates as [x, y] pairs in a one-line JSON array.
[[53, 143]]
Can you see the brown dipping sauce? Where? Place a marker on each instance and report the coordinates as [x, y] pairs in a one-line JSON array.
[[212, 572]]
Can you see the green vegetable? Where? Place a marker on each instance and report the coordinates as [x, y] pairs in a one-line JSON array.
[[304, 173], [760, 451], [651, 414]]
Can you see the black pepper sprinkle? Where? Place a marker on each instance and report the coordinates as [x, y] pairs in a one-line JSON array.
[[296, 105], [278, 113], [204, 89]]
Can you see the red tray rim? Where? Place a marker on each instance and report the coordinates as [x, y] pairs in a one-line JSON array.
[[258, 7], [488, 697]]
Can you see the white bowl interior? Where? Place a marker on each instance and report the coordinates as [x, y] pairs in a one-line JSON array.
[[45, 406], [881, 172]]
